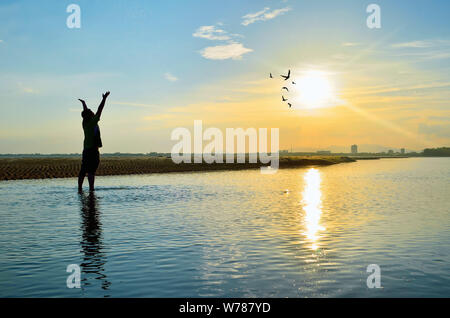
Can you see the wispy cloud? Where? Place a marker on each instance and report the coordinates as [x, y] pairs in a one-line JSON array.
[[351, 44], [263, 15], [422, 44], [384, 89], [413, 44], [232, 50], [424, 49], [211, 32], [26, 89], [427, 55], [222, 52], [439, 118], [442, 131], [170, 77]]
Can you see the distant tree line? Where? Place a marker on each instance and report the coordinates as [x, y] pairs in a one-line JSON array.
[[436, 152]]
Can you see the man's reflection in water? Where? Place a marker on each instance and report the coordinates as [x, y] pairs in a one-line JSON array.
[[91, 242]]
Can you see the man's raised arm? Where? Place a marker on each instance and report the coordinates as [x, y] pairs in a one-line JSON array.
[[102, 104]]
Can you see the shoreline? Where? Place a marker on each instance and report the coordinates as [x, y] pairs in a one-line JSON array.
[[51, 168]]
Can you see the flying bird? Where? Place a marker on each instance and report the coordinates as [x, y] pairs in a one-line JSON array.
[[271, 75], [284, 87], [293, 82], [286, 77], [289, 105], [284, 99]]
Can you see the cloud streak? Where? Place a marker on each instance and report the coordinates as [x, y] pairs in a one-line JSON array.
[[263, 15], [422, 44], [170, 77], [442, 131], [233, 51], [351, 44], [26, 89], [432, 49], [211, 32], [413, 44]]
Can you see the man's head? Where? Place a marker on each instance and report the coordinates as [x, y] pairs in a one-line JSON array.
[[87, 114]]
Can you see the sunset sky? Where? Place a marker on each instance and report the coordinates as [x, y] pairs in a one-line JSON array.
[[169, 63]]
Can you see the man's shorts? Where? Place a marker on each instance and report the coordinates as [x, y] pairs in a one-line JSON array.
[[90, 160]]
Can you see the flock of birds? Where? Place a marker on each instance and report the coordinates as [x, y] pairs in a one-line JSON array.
[[286, 77]]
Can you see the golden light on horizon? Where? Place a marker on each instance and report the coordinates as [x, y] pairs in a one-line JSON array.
[[315, 90], [312, 206]]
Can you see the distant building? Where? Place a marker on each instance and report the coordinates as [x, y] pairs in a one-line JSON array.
[[323, 152], [354, 149], [402, 151]]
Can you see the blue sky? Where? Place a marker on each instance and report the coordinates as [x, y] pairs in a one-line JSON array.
[[162, 68]]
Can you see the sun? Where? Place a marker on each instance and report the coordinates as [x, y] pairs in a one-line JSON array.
[[314, 90]]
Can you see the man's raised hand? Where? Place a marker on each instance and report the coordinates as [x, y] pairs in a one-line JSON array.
[[106, 95], [83, 102]]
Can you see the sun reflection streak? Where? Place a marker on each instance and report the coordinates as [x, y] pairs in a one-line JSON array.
[[312, 205]]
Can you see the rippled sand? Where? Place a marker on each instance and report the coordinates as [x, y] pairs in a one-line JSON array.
[[42, 168]]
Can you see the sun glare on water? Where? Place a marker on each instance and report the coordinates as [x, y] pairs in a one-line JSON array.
[[312, 206], [314, 90]]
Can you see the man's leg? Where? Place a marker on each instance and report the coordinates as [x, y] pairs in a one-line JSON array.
[[81, 176], [94, 162], [91, 179]]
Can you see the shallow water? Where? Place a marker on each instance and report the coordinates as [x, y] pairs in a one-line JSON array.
[[233, 233]]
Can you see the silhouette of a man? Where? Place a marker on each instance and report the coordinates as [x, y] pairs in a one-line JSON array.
[[92, 141]]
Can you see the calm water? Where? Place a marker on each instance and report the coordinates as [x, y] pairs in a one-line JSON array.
[[233, 234]]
